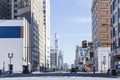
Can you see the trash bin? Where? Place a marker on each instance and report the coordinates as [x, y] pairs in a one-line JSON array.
[[113, 72]]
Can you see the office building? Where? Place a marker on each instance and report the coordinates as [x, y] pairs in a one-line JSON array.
[[46, 13], [101, 33], [115, 32], [4, 10]]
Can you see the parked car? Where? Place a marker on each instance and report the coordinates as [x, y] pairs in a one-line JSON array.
[[73, 70]]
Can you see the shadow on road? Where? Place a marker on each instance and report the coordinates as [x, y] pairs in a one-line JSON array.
[[56, 74]]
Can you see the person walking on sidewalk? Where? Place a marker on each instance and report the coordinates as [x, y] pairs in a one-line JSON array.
[[93, 69]]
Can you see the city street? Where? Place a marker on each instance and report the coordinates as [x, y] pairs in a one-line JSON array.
[[60, 76]]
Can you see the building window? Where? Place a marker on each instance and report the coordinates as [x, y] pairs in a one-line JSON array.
[[115, 17], [119, 42], [15, 17], [113, 32], [115, 4], [15, 11], [15, 5], [15, 0], [116, 31]]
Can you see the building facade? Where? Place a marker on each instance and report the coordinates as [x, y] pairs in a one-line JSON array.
[[100, 33], [53, 58], [14, 38], [115, 32], [46, 13], [4, 9]]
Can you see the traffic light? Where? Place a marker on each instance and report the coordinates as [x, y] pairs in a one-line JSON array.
[[84, 44]]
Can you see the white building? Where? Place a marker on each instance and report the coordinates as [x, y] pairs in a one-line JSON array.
[[32, 10], [46, 13], [14, 38]]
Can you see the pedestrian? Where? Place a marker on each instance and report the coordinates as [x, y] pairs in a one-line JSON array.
[[94, 69], [108, 71]]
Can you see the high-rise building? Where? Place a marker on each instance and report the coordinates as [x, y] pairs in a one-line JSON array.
[[4, 9], [46, 13], [101, 33], [115, 34], [32, 10], [60, 60], [56, 41], [54, 53]]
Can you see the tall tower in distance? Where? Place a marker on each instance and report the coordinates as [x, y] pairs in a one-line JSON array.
[[56, 41]]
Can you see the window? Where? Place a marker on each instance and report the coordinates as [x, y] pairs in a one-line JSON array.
[[119, 42], [113, 32], [116, 31], [15, 11], [15, 17], [115, 4], [15, 5], [15, 0], [115, 17]]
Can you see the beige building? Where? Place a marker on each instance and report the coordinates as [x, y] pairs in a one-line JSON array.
[[37, 17], [101, 15], [101, 33]]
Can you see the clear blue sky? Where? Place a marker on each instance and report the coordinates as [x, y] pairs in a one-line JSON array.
[[71, 19]]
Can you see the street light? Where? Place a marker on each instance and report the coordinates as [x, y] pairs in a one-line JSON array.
[[10, 55]]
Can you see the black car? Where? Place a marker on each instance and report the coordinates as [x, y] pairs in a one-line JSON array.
[[73, 70]]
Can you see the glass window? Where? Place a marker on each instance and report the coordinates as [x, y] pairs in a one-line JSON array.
[[113, 32], [116, 31], [115, 4], [115, 17], [15, 0]]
